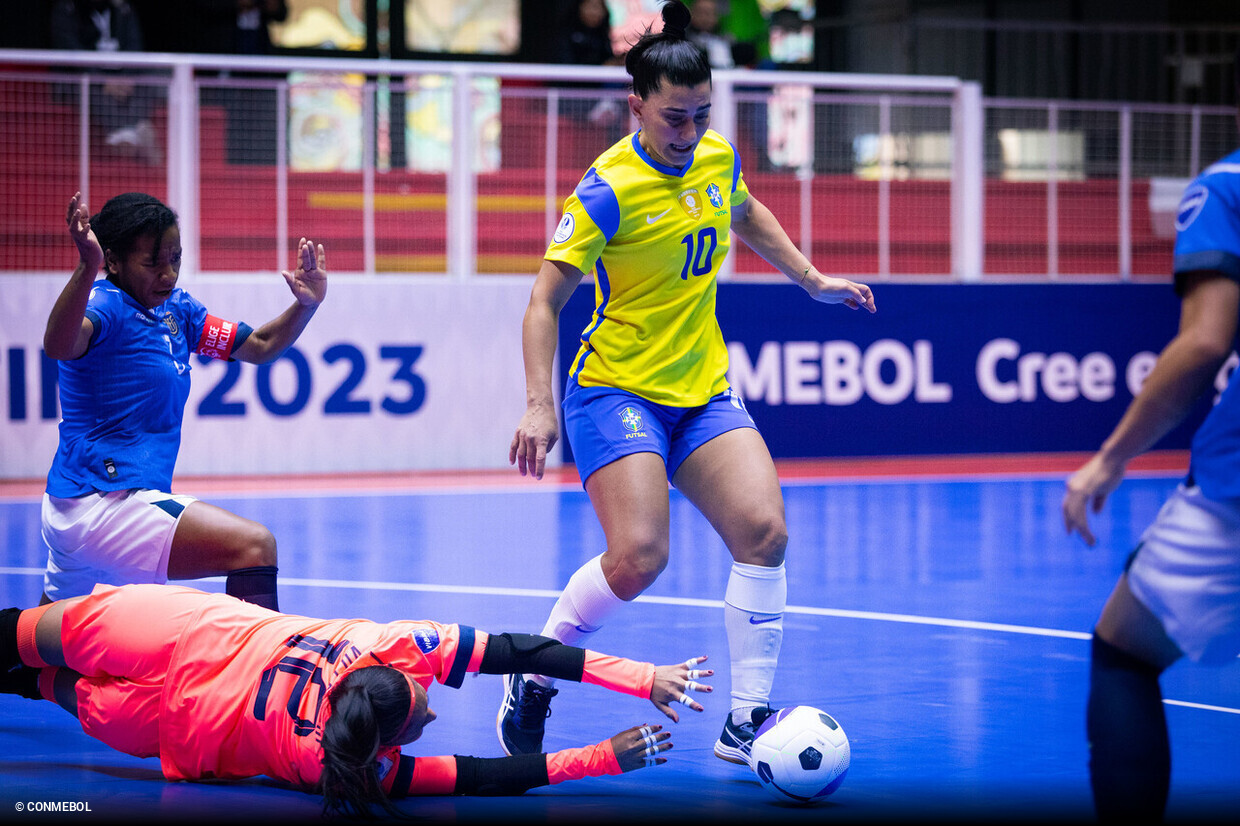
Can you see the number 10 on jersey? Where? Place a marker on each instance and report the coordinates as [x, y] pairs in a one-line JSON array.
[[699, 252]]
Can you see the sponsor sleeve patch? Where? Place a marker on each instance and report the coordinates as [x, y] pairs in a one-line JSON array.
[[1191, 204], [427, 639]]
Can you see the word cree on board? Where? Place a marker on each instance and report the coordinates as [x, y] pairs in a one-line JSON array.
[[890, 372]]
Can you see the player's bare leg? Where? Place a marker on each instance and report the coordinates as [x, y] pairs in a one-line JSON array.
[[210, 541], [732, 481], [630, 498]]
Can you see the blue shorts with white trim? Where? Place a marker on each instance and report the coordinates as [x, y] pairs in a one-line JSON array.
[[604, 424]]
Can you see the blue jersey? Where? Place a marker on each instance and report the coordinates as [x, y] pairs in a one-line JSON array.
[[1208, 238], [122, 400]]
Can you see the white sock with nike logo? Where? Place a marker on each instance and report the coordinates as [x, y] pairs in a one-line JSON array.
[[753, 616], [584, 605]]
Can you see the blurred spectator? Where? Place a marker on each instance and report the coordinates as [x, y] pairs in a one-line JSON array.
[[744, 24], [233, 26], [253, 17], [240, 27], [585, 39], [587, 36], [751, 110], [704, 31], [120, 106]]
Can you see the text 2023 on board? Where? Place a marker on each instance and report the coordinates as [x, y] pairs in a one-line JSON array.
[[404, 390]]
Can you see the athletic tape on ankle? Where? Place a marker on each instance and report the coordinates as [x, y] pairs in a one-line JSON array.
[[27, 624]]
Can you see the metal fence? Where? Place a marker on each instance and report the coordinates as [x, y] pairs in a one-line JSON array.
[[1135, 61], [458, 170]]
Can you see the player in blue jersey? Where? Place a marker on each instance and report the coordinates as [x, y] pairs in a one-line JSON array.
[[1180, 593], [648, 400], [124, 345]]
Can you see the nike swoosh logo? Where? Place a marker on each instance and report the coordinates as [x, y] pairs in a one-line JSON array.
[[650, 219], [756, 621]]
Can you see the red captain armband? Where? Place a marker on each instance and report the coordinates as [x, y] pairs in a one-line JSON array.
[[218, 338], [579, 763]]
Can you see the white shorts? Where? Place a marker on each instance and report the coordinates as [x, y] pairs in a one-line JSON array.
[[113, 538], [1186, 570]]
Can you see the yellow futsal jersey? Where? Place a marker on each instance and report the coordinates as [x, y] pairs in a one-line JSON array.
[[655, 237]]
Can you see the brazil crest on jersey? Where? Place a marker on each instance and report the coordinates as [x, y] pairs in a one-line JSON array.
[[655, 237], [1208, 238]]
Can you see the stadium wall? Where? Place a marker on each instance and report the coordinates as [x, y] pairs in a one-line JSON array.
[[399, 373]]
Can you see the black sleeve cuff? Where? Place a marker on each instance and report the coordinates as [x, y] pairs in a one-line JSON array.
[[532, 654], [500, 775]]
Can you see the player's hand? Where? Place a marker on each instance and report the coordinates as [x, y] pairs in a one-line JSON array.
[[1087, 490], [831, 290], [309, 281], [641, 746], [536, 434], [672, 684], [78, 218]]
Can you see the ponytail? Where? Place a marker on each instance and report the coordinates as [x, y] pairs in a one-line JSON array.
[[367, 708], [667, 55]]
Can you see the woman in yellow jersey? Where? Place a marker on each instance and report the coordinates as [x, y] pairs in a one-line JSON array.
[[647, 399]]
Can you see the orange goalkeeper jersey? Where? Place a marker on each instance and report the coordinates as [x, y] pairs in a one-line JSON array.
[[246, 687]]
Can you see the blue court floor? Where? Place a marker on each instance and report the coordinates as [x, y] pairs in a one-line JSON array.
[[943, 621]]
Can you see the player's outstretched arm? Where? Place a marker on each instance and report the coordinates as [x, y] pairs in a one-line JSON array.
[[538, 430], [1185, 369], [308, 283], [758, 227], [631, 749], [68, 330], [666, 686]]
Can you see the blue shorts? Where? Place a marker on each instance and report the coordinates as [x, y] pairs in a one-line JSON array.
[[604, 424]]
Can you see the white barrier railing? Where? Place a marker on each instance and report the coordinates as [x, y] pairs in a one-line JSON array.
[[893, 177], [186, 75]]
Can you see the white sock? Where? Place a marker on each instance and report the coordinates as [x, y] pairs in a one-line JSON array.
[[753, 616], [585, 604]]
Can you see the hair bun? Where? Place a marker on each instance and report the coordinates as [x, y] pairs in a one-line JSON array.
[[675, 19]]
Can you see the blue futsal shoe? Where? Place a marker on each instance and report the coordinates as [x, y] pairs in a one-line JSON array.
[[735, 741], [522, 716]]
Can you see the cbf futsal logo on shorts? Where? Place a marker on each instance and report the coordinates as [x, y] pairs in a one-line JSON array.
[[631, 418]]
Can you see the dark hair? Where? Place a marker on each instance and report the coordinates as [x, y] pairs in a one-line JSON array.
[[368, 708], [667, 55], [126, 218]]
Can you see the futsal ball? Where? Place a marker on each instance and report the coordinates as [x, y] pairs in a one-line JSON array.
[[800, 754]]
